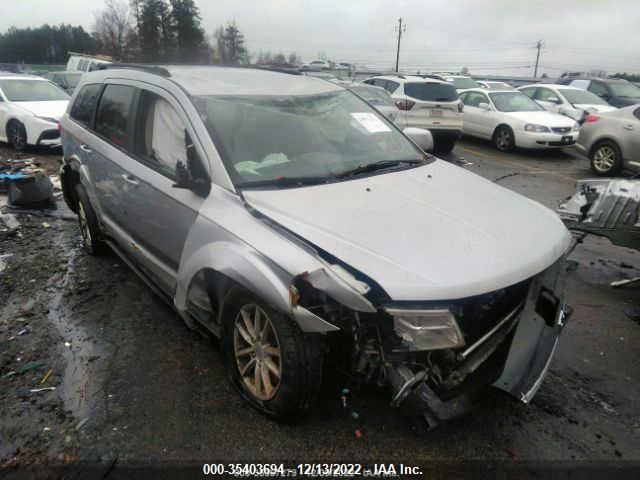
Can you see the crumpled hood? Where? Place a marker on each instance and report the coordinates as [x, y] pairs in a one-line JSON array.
[[548, 119], [54, 109], [436, 232]]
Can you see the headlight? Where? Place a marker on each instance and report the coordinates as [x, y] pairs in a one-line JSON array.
[[426, 329], [48, 119], [532, 127], [576, 127]]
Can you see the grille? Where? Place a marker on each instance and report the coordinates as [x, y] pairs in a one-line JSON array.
[[50, 135], [561, 129], [481, 313]]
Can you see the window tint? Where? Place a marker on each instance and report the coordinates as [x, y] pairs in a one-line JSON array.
[[474, 99], [514, 102], [637, 113], [529, 92], [433, 92], [85, 103], [21, 90], [598, 88], [114, 111], [162, 139], [544, 95]]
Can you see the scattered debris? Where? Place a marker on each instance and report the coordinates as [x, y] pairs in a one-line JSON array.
[[496, 180], [358, 433], [46, 376], [81, 423], [29, 367], [633, 314], [8, 224], [46, 224], [43, 389], [3, 263], [22, 332], [625, 282]]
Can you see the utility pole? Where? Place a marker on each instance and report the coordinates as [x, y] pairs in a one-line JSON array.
[[538, 46], [401, 29]]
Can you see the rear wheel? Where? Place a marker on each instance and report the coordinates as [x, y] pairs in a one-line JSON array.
[[17, 135], [276, 367], [89, 226], [503, 139], [606, 159]]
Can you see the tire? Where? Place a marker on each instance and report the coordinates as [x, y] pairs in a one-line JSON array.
[[17, 135], [606, 159], [299, 362], [503, 138], [89, 226], [444, 147]]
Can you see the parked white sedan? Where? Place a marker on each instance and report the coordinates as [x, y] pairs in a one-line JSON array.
[[511, 119], [570, 101], [30, 108]]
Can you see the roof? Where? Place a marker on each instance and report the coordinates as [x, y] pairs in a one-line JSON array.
[[409, 78], [21, 76], [552, 85], [485, 91], [210, 80]]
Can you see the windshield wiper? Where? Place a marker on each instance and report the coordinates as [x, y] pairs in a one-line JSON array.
[[282, 182], [376, 166]]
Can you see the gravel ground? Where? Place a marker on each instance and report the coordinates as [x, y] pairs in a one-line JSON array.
[[132, 383]]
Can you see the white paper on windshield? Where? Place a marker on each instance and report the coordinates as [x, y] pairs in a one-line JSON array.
[[371, 122]]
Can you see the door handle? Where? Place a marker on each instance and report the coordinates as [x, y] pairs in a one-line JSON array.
[[85, 149], [130, 179], [628, 127]]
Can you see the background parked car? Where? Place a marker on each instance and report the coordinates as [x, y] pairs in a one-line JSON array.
[[377, 97], [573, 102], [611, 140], [614, 91], [461, 82], [493, 85], [511, 119], [30, 108], [65, 80], [316, 65], [425, 103], [80, 62]]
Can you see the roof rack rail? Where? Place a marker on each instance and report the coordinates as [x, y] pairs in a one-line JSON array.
[[163, 72]]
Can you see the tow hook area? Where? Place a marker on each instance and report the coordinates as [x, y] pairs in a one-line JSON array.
[[417, 399]]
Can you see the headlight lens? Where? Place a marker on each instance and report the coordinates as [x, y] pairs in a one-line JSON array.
[[532, 127], [576, 127], [48, 119], [427, 329]]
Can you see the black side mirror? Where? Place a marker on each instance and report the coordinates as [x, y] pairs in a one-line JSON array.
[[192, 176]]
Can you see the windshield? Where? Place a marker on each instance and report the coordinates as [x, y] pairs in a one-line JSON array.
[[373, 95], [317, 137], [462, 82], [431, 91], [577, 97], [625, 89], [514, 102], [20, 90]]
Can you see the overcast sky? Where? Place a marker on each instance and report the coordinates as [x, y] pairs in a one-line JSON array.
[[490, 36]]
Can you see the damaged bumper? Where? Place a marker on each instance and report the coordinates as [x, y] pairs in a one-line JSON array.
[[605, 207], [513, 355]]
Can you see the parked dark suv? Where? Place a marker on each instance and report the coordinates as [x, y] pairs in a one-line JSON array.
[[615, 91]]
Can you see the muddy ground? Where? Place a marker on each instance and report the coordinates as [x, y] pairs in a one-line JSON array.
[[133, 384]]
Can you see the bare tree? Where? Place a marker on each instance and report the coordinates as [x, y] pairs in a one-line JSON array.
[[112, 26]]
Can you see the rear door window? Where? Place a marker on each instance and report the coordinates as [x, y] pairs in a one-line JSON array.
[[598, 88], [85, 104], [474, 99], [113, 119], [545, 94], [390, 86], [431, 92], [529, 92]]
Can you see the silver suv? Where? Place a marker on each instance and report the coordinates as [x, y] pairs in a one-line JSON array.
[[426, 103], [286, 216]]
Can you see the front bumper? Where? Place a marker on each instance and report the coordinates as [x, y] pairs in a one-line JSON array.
[[42, 133], [534, 140], [514, 356]]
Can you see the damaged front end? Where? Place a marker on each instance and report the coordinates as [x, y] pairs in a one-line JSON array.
[[605, 207], [435, 356]]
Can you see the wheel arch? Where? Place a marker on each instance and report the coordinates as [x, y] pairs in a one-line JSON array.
[[500, 125], [600, 140]]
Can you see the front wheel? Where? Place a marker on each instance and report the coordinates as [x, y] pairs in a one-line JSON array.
[[606, 159], [503, 139], [276, 367], [17, 135]]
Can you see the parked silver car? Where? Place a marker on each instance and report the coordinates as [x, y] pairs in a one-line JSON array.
[[286, 216], [611, 140]]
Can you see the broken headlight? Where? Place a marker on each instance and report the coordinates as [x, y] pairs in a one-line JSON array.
[[426, 329]]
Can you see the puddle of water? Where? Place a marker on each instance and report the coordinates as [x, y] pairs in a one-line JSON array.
[[80, 389]]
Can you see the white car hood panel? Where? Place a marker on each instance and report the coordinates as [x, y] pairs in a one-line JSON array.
[[447, 236], [547, 119], [54, 109]]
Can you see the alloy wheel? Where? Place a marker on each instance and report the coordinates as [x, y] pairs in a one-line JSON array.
[[604, 158], [16, 137], [257, 352], [503, 139]]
